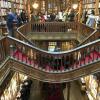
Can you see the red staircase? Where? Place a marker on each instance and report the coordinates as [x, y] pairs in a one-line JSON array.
[[91, 57], [50, 66]]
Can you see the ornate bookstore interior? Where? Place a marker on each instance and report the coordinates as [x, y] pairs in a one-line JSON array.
[[49, 50]]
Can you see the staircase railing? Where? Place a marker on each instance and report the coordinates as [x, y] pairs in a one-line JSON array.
[[55, 27], [4, 70], [53, 61], [92, 37], [19, 33], [60, 27], [84, 30], [3, 53], [52, 66]]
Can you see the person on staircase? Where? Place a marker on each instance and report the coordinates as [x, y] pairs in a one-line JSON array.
[[11, 18]]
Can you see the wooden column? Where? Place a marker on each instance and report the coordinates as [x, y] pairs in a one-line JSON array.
[[53, 6], [46, 6], [68, 90], [65, 4], [28, 8], [25, 5], [69, 4], [57, 4], [39, 10], [80, 10], [12, 7], [96, 7]]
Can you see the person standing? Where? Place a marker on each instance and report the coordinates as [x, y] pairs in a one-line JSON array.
[[19, 21], [84, 17], [71, 15], [91, 19], [60, 14], [23, 16], [10, 20]]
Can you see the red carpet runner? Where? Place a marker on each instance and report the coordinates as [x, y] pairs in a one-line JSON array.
[[55, 92], [56, 96]]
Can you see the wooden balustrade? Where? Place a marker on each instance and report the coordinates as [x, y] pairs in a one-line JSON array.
[[25, 29], [52, 66], [4, 70], [84, 30], [76, 27], [93, 36], [21, 32], [54, 77], [81, 30], [53, 27], [54, 61], [3, 50]]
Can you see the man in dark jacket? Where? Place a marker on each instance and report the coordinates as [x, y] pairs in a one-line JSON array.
[[10, 20], [71, 15], [23, 16]]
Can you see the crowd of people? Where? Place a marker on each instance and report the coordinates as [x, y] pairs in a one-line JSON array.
[[88, 17], [61, 16]]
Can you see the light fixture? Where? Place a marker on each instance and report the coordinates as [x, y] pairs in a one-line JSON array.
[[74, 6], [35, 5]]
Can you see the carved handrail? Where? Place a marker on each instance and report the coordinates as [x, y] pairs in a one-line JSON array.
[[89, 34], [54, 61], [4, 70], [32, 72], [5, 75], [3, 53], [55, 77], [19, 33], [93, 36], [30, 57], [60, 27], [77, 27], [84, 30]]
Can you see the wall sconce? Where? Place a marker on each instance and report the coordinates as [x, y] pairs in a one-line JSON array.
[[74, 6], [35, 5]]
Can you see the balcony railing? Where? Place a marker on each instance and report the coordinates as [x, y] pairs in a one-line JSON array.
[[52, 61], [92, 37], [56, 27], [55, 64]]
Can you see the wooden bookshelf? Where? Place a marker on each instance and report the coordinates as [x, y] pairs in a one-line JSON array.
[[91, 5], [15, 5]]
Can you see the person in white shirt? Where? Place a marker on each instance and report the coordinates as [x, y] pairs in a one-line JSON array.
[[91, 20], [60, 14]]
